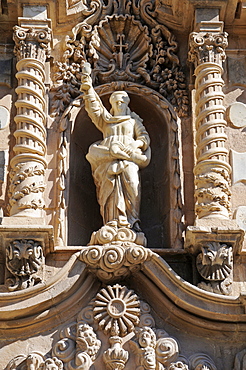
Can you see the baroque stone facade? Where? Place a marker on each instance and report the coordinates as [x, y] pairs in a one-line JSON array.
[[122, 146]]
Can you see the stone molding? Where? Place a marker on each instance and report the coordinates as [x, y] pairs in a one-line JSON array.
[[74, 284], [29, 164]]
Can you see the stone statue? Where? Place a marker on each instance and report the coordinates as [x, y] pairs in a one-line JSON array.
[[115, 161]]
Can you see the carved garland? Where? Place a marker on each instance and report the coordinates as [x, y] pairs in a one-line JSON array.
[[70, 115], [118, 316]]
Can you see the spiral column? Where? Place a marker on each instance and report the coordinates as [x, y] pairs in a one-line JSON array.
[[28, 164], [212, 171]]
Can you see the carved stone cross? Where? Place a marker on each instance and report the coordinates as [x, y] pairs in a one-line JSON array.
[[120, 46]]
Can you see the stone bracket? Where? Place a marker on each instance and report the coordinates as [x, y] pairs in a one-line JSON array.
[[197, 235], [40, 233]]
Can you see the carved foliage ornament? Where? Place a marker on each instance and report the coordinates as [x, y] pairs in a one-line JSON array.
[[114, 261], [118, 316], [120, 47], [207, 47], [25, 261], [32, 43]]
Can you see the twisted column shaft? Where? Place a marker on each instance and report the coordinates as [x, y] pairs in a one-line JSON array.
[[212, 170], [28, 164]]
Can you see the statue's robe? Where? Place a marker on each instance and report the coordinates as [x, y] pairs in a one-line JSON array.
[[117, 179]]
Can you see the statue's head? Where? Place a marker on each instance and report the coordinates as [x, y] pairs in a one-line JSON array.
[[119, 101]]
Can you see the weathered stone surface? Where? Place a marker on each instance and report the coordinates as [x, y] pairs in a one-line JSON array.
[[117, 304]]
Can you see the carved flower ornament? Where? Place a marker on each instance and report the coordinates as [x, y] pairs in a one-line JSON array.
[[117, 310]]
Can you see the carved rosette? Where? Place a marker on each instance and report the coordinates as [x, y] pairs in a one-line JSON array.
[[207, 52], [116, 310], [29, 164], [215, 265], [25, 263]]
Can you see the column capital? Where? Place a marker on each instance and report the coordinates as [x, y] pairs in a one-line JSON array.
[[31, 42], [207, 47]]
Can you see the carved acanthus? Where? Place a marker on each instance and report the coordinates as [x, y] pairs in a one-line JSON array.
[[25, 262], [215, 265], [32, 43], [115, 357], [207, 47], [207, 51], [28, 165], [105, 39]]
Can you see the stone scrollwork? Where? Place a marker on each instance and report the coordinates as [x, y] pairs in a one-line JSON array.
[[77, 349], [149, 58], [201, 361], [25, 263], [115, 260], [215, 265], [118, 317]]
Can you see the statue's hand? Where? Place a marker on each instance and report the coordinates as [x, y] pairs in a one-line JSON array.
[[134, 147], [86, 82], [119, 151]]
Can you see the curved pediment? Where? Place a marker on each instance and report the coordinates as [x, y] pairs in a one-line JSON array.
[[101, 286]]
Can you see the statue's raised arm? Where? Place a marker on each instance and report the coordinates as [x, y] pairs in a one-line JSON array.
[[115, 161], [93, 103]]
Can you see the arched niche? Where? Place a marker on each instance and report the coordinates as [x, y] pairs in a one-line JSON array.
[[160, 203]]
